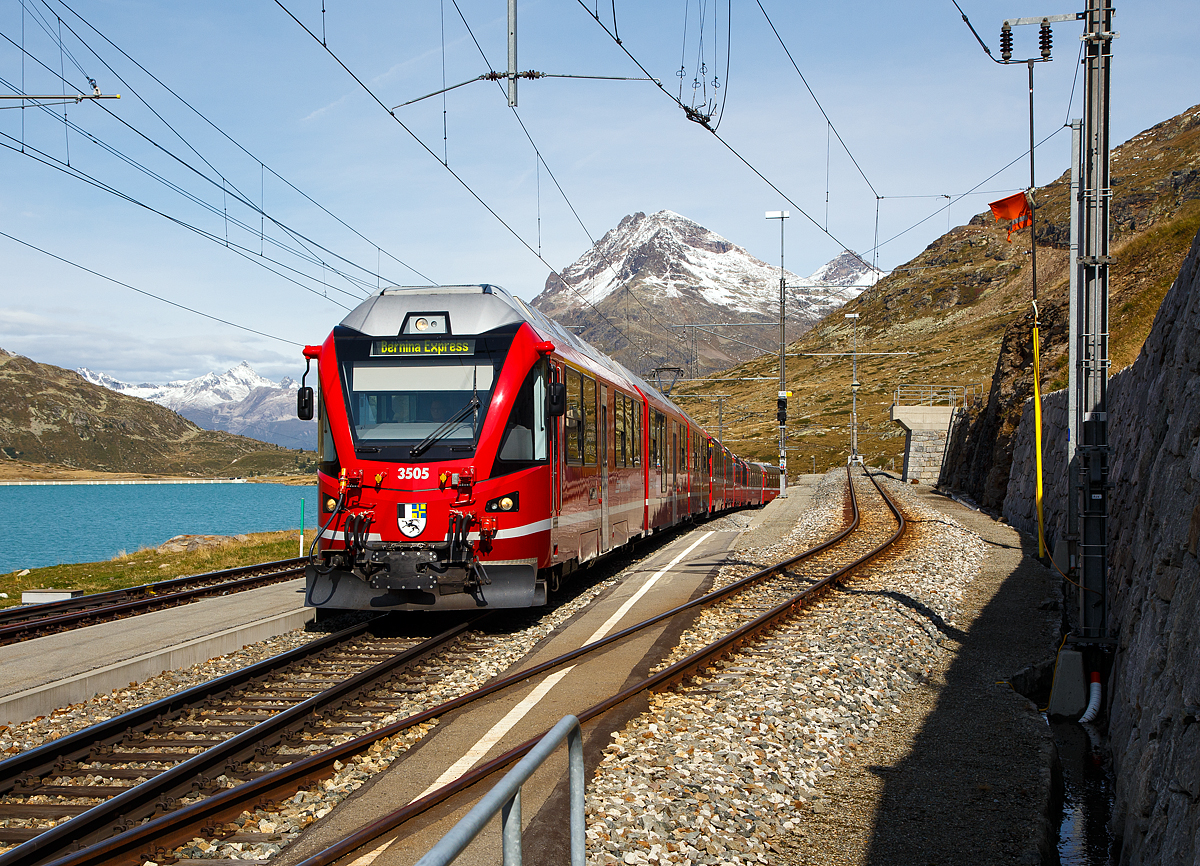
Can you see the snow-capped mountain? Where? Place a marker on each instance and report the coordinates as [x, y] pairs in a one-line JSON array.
[[238, 401], [652, 274]]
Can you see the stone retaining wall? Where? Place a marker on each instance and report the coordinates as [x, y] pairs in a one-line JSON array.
[[923, 451], [1154, 573]]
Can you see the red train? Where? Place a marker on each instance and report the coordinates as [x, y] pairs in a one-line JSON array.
[[473, 453]]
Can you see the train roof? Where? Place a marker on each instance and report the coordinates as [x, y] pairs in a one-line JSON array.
[[477, 309]]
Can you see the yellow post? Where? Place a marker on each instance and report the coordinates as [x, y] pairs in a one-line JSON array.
[[1037, 432]]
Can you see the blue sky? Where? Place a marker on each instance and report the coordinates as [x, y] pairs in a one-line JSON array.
[[285, 128]]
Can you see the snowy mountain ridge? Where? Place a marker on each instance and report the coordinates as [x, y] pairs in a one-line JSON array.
[[239, 401], [682, 274]]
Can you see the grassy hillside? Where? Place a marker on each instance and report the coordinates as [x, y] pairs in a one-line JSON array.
[[953, 305], [50, 416]]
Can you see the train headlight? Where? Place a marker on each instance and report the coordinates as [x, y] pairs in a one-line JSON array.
[[421, 324], [330, 504], [503, 504]]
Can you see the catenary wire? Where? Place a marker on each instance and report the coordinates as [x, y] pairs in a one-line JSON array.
[[235, 143], [700, 119], [146, 293], [73, 171], [971, 190], [561, 191], [820, 107], [50, 161], [455, 174], [312, 258]]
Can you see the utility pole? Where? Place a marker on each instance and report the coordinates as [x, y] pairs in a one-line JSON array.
[[1093, 448], [781, 412], [512, 53]]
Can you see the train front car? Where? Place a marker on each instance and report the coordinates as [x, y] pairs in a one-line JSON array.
[[434, 449]]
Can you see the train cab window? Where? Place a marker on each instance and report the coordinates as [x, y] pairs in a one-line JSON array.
[[526, 438], [390, 402], [573, 420], [327, 457], [589, 421]]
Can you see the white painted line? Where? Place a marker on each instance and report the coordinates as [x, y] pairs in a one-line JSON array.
[[633, 599], [498, 730], [502, 727], [369, 858]]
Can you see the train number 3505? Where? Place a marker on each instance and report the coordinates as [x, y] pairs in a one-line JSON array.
[[413, 472]]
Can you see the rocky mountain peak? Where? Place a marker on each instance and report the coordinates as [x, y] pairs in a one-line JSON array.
[[631, 292]]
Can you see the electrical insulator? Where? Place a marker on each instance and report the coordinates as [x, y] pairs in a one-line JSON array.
[[1044, 40], [781, 412], [1006, 42]]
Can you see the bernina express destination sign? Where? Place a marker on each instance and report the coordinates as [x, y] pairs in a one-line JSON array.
[[421, 348]]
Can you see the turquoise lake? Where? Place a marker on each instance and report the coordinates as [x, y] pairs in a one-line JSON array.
[[61, 523]]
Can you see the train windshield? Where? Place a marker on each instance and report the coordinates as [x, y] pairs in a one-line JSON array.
[[431, 405], [414, 402]]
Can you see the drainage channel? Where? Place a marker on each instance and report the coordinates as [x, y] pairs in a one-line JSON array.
[[1084, 834]]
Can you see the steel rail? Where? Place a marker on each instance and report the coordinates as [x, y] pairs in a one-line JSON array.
[[179, 825], [140, 801], [20, 622], [675, 673], [96, 599]]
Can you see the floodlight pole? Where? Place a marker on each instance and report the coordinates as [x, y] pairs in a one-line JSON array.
[[854, 458], [781, 412]]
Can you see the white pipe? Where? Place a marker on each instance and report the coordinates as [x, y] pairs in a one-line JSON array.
[[1093, 707]]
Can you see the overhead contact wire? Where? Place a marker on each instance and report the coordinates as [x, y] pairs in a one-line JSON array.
[[693, 116], [146, 293], [232, 141], [564, 195], [452, 172]]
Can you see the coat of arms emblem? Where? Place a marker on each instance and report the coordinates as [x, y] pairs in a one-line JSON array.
[[410, 516]]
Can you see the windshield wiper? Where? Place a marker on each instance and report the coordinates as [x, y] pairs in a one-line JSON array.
[[472, 405]]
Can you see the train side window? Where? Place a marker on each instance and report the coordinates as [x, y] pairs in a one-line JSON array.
[[655, 458], [619, 429], [589, 421], [574, 416], [635, 416], [660, 442]]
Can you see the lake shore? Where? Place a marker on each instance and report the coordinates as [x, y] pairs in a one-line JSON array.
[[19, 470]]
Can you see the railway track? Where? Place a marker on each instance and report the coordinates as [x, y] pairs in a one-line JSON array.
[[31, 621], [233, 729], [763, 598]]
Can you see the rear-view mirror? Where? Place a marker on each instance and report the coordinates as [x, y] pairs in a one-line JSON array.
[[556, 399], [304, 404]]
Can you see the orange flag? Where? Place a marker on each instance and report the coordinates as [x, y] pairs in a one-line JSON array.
[[1015, 208]]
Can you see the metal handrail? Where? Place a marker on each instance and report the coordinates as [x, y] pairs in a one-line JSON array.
[[505, 797], [953, 396]]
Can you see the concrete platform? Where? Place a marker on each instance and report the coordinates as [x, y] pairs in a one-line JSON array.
[[54, 671], [778, 516]]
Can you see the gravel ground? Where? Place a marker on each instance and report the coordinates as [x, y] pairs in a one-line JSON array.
[[800, 749], [843, 738], [265, 832]]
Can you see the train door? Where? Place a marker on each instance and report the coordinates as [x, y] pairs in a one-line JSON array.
[[605, 532], [556, 426], [674, 494]]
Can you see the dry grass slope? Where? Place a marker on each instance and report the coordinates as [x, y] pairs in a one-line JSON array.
[[956, 303]]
